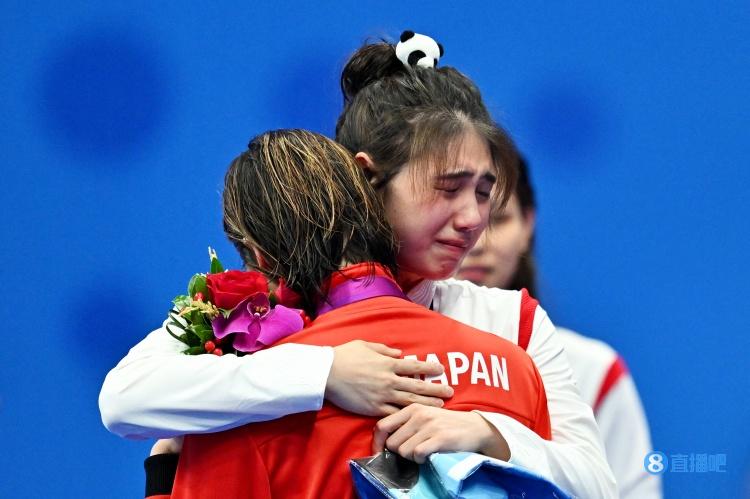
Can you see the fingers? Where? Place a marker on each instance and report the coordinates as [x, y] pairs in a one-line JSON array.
[[411, 367], [403, 399], [379, 436], [407, 438], [383, 349], [391, 423], [404, 439], [386, 426], [370, 379], [424, 449], [417, 431], [389, 409], [378, 440], [426, 388]]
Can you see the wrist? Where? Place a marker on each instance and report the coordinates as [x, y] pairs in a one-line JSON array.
[[330, 381], [493, 443]]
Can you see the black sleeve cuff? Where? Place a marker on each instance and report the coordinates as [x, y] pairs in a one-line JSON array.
[[160, 472]]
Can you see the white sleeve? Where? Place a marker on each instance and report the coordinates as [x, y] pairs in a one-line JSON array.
[[158, 392], [574, 459], [624, 428]]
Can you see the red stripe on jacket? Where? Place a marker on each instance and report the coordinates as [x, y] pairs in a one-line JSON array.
[[526, 322], [616, 371]]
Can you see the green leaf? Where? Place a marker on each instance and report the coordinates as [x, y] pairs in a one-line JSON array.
[[197, 285], [205, 333], [216, 266], [181, 301], [179, 328], [195, 340], [197, 317], [195, 350]]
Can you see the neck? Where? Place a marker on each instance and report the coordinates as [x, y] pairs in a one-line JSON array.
[[407, 280], [356, 283]]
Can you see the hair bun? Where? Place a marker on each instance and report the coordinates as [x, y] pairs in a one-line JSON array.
[[369, 64]]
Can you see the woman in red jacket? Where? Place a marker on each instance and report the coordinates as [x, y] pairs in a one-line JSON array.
[[297, 208]]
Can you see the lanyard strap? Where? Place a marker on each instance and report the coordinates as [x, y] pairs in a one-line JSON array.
[[358, 289]]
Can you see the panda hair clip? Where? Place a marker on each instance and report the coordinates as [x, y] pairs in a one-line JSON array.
[[418, 50]]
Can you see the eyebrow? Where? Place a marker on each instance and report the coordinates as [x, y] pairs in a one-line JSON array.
[[460, 174]]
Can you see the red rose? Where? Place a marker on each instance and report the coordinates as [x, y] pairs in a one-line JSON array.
[[229, 288]]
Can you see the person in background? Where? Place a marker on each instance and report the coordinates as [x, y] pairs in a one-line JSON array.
[[504, 258]]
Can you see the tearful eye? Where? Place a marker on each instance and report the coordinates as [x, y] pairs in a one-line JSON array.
[[447, 188]]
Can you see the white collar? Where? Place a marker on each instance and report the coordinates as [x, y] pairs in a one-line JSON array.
[[423, 292]]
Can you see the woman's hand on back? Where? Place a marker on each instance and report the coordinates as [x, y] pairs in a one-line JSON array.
[[370, 379]]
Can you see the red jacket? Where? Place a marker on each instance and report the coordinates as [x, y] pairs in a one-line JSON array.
[[306, 455]]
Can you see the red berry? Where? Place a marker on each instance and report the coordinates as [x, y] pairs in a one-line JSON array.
[[305, 319], [218, 352], [198, 296], [209, 346]]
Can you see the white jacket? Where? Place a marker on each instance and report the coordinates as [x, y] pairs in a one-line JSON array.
[[157, 392], [607, 386]]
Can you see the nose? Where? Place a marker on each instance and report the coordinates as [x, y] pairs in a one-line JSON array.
[[469, 216]]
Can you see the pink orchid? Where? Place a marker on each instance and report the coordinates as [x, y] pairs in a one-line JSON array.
[[256, 325]]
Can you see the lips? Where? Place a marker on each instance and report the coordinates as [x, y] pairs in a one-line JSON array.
[[457, 243], [454, 248]]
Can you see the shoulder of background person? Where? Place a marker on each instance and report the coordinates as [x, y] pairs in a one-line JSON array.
[[596, 365]]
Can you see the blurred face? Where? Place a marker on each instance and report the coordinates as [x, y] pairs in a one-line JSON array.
[[494, 260], [439, 218]]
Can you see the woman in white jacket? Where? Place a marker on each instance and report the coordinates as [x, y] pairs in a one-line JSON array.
[[504, 258], [437, 189]]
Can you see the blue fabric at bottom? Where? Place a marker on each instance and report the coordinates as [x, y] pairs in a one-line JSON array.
[[449, 475]]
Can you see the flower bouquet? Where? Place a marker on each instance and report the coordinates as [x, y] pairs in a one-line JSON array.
[[233, 311]]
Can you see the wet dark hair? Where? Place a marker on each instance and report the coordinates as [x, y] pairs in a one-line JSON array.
[[301, 200], [398, 114], [525, 275]]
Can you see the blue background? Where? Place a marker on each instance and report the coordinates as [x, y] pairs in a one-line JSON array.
[[118, 122]]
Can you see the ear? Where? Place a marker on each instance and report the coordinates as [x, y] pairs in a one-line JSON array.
[[368, 166], [406, 35], [442, 50]]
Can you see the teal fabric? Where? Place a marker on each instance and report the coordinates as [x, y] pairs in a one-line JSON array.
[[454, 475]]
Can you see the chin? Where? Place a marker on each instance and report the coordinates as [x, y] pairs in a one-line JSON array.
[[431, 273], [435, 270], [439, 274]]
